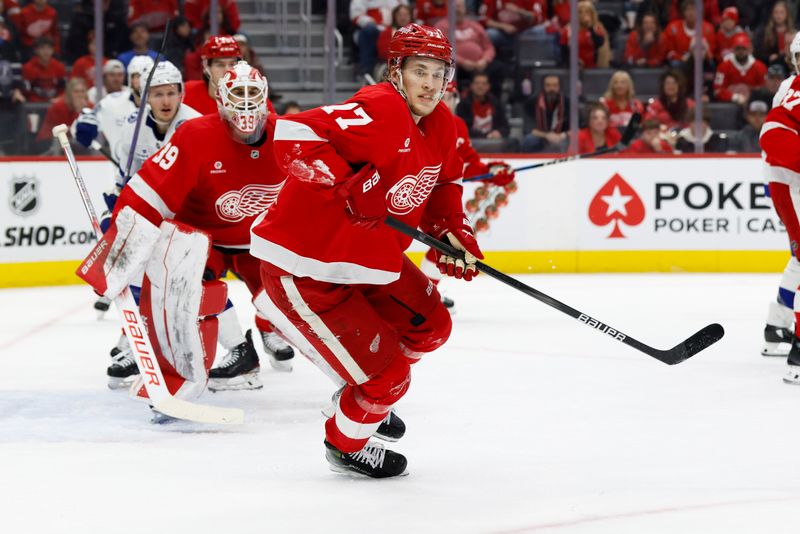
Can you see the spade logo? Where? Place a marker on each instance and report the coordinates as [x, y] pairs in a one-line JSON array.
[[616, 202]]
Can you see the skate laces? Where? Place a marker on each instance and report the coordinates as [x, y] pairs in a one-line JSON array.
[[273, 341], [373, 454], [233, 356], [123, 358]]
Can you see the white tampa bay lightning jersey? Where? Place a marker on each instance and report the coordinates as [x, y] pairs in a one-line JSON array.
[[150, 141]]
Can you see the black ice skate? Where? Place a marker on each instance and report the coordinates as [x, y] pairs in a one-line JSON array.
[[374, 460], [279, 353], [777, 341], [793, 374], [123, 370], [392, 428], [238, 370], [448, 303]]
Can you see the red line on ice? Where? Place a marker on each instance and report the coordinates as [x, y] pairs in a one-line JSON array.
[[41, 326]]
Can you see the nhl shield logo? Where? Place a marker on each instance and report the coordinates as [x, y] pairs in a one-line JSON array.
[[24, 197]]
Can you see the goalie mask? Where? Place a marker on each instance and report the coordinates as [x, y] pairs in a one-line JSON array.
[[242, 102], [415, 40]]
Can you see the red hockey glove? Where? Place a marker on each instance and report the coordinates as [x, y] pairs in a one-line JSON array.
[[502, 173], [460, 234], [364, 197]]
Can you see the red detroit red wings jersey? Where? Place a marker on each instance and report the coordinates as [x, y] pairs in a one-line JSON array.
[[205, 179], [307, 232], [473, 166], [786, 113]]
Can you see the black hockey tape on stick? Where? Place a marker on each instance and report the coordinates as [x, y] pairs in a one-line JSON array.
[[684, 350], [143, 103], [627, 137]]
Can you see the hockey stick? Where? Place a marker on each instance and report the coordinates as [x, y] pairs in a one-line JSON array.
[[143, 103], [684, 350], [136, 332], [627, 137]]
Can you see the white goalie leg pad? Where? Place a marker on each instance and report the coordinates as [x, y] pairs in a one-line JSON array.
[[181, 308], [120, 254], [268, 310]]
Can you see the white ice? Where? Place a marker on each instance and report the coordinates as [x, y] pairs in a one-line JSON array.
[[527, 421]]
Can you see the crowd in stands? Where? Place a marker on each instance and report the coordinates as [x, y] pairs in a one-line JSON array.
[[512, 60]]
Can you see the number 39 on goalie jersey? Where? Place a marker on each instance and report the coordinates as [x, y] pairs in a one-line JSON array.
[[205, 179]]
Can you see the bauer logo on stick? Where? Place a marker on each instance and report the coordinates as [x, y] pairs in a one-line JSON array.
[[24, 197]]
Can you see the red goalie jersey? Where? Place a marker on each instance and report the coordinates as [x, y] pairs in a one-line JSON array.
[[419, 174], [205, 179]]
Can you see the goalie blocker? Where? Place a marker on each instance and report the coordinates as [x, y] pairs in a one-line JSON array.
[[178, 306]]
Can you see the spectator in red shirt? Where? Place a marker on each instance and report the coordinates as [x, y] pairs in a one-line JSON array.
[[10, 10], [370, 18], [43, 74], [546, 118], [483, 113], [38, 19], [594, 49], [64, 110], [679, 36], [739, 74], [152, 13], [84, 66], [671, 107], [650, 141], [620, 100], [645, 46], [401, 15], [728, 29], [474, 50], [429, 12], [507, 18], [197, 11], [771, 39], [598, 133]]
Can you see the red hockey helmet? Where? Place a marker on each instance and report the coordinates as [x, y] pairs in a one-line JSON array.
[[416, 40], [220, 46]]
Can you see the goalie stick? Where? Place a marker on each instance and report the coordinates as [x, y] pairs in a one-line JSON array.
[[136, 333], [627, 137], [684, 350]]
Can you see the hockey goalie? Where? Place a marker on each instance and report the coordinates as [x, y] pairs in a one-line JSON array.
[[183, 221]]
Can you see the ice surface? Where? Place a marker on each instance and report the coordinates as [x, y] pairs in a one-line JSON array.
[[527, 421]]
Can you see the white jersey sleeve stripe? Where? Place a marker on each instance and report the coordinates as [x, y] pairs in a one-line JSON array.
[[322, 331], [149, 195], [286, 130]]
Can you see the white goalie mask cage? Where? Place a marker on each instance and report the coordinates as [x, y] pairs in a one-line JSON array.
[[242, 102]]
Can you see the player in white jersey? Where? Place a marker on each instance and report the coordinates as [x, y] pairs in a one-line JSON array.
[[164, 113], [779, 330], [105, 122]]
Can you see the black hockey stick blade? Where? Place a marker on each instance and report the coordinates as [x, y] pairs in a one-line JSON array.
[[681, 352]]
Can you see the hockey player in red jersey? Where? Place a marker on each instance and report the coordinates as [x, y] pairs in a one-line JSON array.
[[331, 265], [780, 143], [215, 175], [739, 73], [219, 54], [501, 172]]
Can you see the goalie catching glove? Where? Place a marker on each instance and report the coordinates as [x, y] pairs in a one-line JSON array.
[[460, 235]]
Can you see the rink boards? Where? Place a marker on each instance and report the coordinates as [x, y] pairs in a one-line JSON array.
[[615, 214]]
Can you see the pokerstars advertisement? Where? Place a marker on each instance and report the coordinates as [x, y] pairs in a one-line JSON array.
[[42, 217], [677, 204]]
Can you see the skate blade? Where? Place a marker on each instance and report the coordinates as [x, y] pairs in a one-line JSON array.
[[282, 366], [792, 379], [340, 470], [249, 381], [775, 349], [120, 383], [384, 437]]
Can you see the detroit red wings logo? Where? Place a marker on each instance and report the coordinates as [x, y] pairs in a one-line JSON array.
[[251, 200], [411, 191]]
